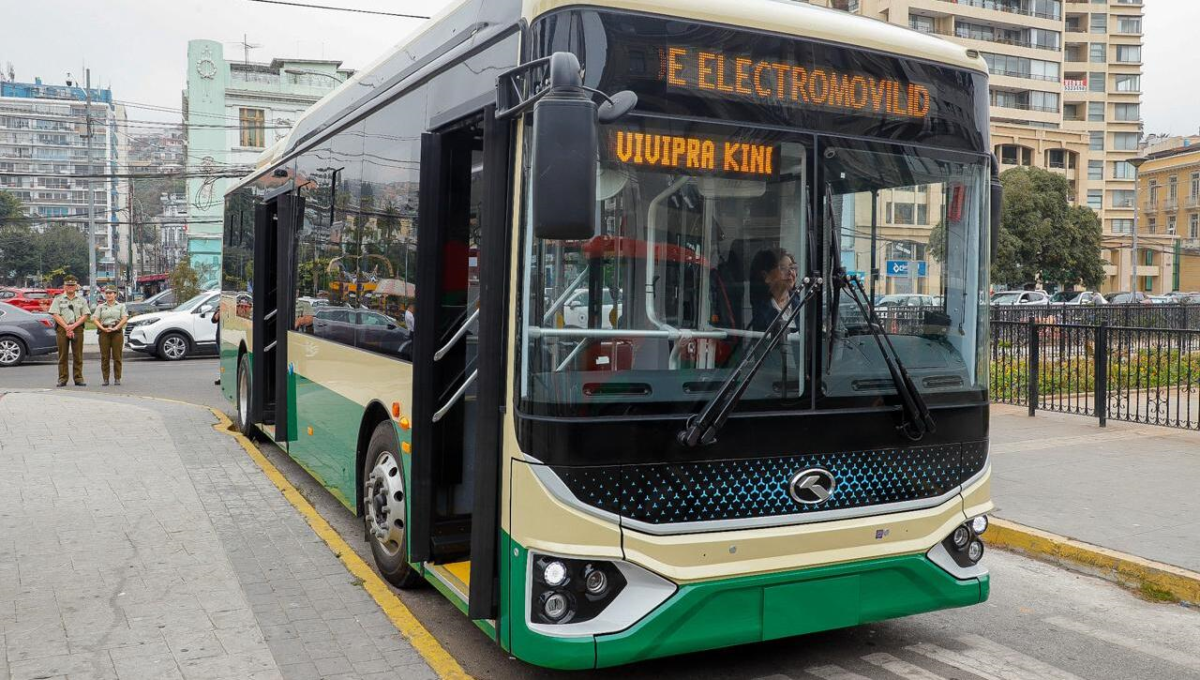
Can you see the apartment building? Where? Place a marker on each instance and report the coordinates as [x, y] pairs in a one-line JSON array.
[[1065, 92], [1168, 252], [45, 163], [233, 111]]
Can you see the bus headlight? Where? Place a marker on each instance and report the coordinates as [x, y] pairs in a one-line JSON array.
[[975, 551], [979, 524], [960, 537], [571, 596]]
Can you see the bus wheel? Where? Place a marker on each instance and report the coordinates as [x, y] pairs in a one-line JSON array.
[[243, 397], [384, 504]]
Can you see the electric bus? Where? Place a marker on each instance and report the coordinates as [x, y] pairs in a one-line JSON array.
[[572, 304]]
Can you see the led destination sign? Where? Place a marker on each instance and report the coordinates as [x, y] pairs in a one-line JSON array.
[[697, 154], [782, 82]]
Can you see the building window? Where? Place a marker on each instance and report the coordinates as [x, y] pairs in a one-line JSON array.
[[253, 128], [1172, 191], [1127, 112], [1129, 25], [1096, 111], [1153, 193], [1129, 54], [1095, 169], [1122, 198], [1122, 226], [1127, 83], [1096, 82], [1123, 170], [1095, 199], [1125, 141], [1196, 185], [1097, 53], [1171, 225], [1011, 154], [1151, 225], [1097, 141], [920, 23], [1099, 23], [1194, 226]]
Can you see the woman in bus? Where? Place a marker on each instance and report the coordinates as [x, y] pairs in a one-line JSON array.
[[772, 279]]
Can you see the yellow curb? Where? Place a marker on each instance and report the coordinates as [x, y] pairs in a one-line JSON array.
[[1128, 570], [422, 640]]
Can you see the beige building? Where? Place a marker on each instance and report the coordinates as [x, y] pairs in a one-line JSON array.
[[1065, 91], [1169, 219]]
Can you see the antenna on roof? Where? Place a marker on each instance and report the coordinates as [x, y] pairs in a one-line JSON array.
[[246, 47]]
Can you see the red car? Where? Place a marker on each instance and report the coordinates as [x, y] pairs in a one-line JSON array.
[[29, 299]]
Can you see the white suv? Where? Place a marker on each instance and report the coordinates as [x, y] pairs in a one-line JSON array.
[[181, 332]]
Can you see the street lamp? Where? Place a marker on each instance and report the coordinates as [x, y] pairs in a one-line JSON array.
[[1137, 185], [306, 72]]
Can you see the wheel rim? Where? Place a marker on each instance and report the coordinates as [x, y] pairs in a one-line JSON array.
[[383, 498], [243, 395], [10, 352], [174, 347]]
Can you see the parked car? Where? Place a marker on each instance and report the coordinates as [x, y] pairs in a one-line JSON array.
[[1021, 297], [306, 307], [24, 334], [906, 300], [29, 299], [160, 302], [1124, 298], [1160, 300], [1078, 297], [176, 334], [361, 328]]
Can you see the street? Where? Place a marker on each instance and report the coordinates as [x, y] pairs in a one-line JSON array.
[[1040, 622]]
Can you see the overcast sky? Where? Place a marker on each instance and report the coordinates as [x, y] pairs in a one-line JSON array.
[[139, 47]]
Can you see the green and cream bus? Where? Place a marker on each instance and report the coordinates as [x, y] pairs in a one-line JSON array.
[[572, 303]]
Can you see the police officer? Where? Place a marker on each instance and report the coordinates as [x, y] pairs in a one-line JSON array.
[[110, 317], [70, 311]]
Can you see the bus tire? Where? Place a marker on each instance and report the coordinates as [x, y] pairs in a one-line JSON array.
[[242, 397], [385, 507]]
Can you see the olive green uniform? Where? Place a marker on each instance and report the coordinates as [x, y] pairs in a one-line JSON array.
[[71, 310], [111, 342]]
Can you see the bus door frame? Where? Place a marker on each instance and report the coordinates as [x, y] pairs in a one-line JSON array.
[[275, 221], [494, 249]]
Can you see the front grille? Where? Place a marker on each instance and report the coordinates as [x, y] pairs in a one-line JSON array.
[[669, 493]]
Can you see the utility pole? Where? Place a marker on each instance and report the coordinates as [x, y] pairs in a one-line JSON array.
[[91, 192], [1133, 257], [129, 275]]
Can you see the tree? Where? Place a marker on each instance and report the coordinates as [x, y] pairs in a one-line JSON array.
[[63, 246], [1043, 238], [185, 280], [12, 212]]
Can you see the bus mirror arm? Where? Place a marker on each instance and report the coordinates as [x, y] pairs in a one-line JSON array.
[[997, 210]]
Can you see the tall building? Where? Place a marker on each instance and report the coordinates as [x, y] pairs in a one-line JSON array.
[[1169, 217], [1065, 90], [232, 112], [44, 159]]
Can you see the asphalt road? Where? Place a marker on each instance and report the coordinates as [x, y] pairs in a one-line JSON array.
[[1042, 622]]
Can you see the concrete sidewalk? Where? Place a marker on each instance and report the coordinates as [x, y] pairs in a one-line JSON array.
[[165, 552], [1131, 488]]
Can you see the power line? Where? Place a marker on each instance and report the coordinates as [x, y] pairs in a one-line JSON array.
[[341, 9]]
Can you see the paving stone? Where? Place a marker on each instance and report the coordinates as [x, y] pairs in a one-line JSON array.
[[170, 573]]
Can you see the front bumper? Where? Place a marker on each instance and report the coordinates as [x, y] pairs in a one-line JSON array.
[[746, 609], [137, 341]]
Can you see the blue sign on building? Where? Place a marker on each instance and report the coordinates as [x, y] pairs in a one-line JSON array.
[[904, 267]]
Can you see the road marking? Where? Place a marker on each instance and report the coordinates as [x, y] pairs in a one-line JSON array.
[[422, 640], [900, 667], [992, 661], [1148, 648], [833, 673]]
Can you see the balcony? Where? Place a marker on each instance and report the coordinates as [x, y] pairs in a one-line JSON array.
[[1192, 202], [1004, 7], [992, 38]]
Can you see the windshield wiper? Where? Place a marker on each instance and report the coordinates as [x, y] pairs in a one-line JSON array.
[[702, 428], [916, 420]]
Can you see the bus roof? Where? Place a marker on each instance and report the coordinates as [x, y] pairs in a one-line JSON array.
[[786, 17]]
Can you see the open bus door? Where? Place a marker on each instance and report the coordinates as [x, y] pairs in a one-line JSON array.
[[462, 284], [275, 221]]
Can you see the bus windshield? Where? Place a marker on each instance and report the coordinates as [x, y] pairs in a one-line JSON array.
[[702, 231]]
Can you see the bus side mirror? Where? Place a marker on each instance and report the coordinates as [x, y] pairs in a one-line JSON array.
[[565, 151]]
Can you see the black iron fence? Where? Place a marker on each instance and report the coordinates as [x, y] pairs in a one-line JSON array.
[[1147, 375], [1173, 316]]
